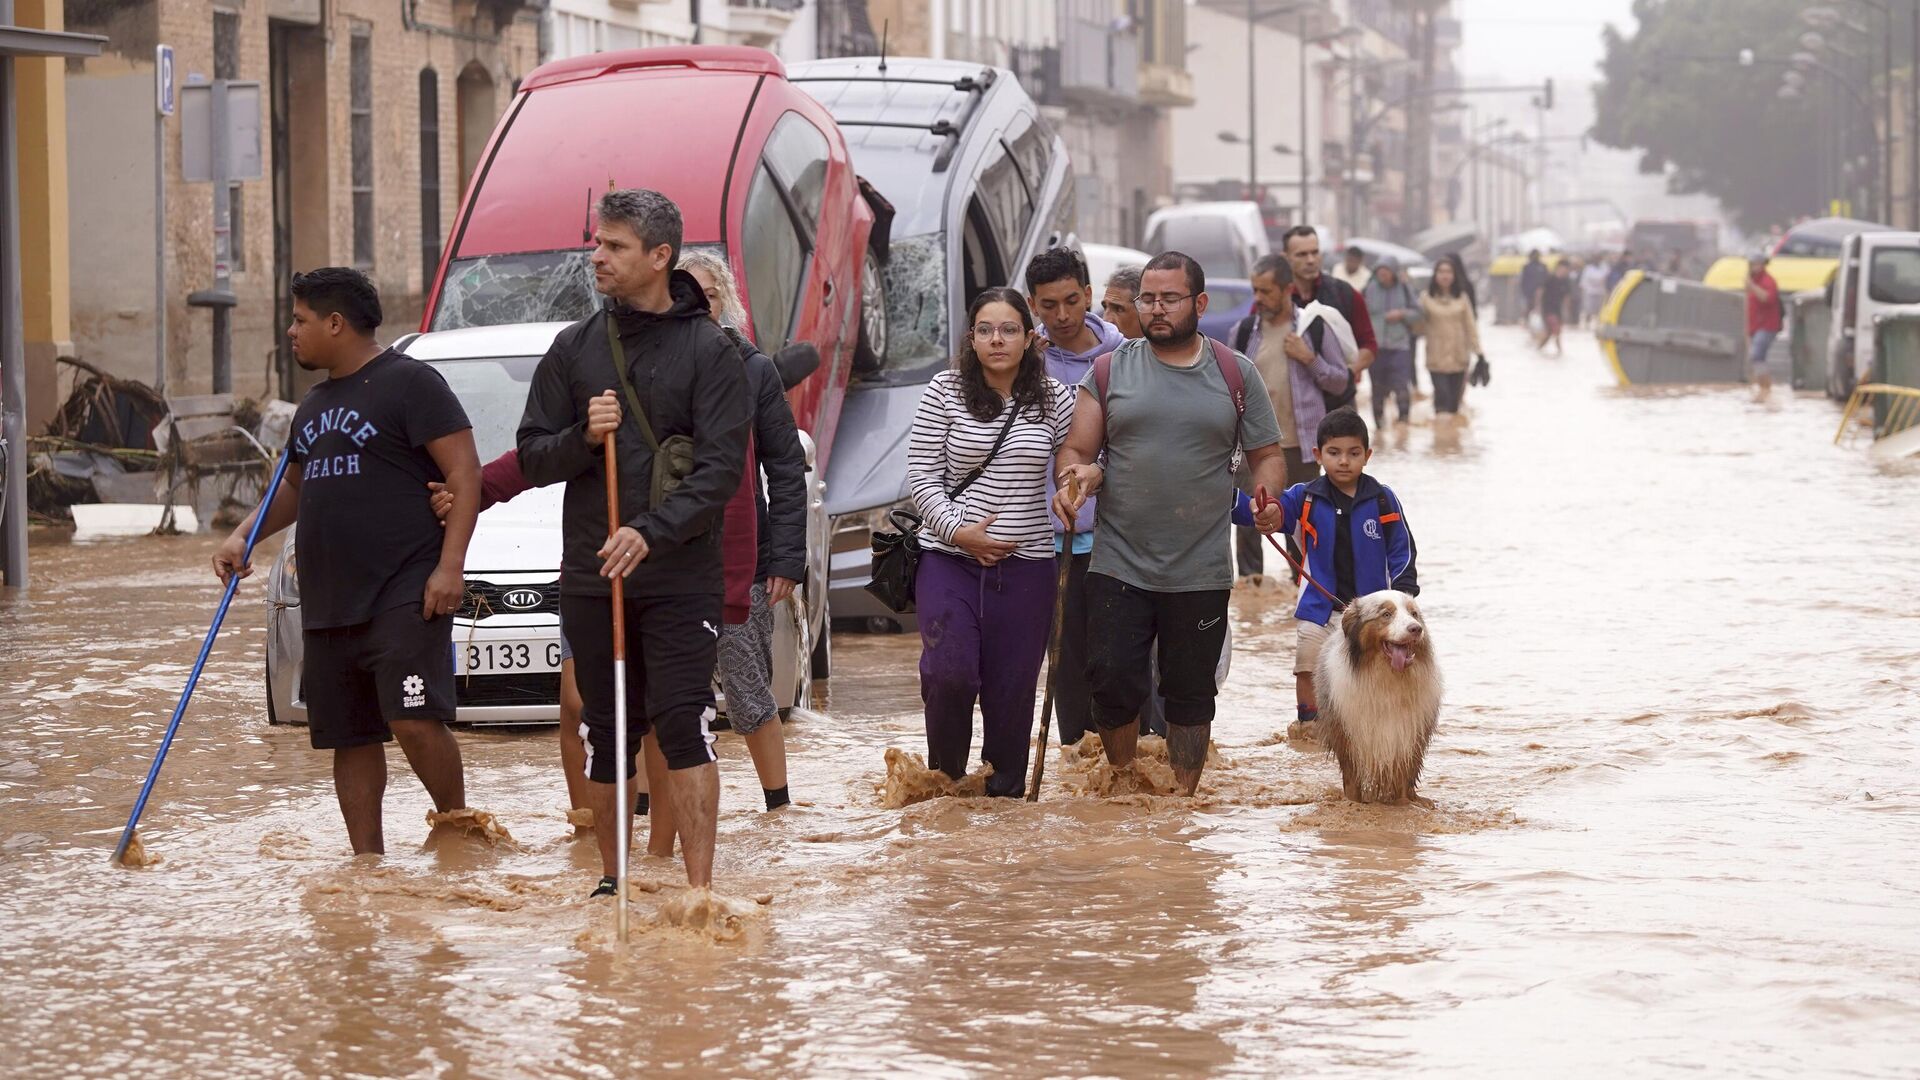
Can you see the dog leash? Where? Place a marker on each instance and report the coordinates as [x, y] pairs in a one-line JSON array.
[[1265, 500]]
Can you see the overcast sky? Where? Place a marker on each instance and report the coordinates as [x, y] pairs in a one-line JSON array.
[[1530, 40]]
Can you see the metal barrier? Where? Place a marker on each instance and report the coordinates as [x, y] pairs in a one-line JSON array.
[[1660, 331], [1892, 399]]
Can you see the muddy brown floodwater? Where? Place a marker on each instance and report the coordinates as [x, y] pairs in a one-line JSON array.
[[1677, 825]]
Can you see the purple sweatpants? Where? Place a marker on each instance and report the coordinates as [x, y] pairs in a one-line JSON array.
[[958, 600]]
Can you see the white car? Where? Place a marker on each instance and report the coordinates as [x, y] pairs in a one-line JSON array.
[[506, 640], [1103, 260]]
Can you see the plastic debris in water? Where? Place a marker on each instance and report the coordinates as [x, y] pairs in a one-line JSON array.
[[474, 821], [581, 818], [909, 781]]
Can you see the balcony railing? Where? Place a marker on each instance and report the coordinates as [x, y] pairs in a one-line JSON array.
[[1038, 69], [843, 28], [1099, 61]]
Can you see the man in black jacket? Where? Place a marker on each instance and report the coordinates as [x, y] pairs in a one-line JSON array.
[[687, 376]]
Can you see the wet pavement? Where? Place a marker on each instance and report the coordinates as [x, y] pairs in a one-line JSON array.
[[1676, 824]]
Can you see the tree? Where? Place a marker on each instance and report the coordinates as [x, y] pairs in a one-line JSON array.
[[1677, 91]]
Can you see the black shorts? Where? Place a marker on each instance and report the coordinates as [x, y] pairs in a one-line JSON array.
[[672, 647], [1123, 623], [396, 666]]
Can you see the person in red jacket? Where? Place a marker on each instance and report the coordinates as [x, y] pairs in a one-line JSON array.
[[1765, 317]]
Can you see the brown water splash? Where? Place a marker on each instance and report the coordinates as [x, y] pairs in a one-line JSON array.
[[477, 822], [909, 781], [137, 856]]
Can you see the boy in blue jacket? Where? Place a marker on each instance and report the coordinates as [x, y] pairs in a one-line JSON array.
[[1356, 541]]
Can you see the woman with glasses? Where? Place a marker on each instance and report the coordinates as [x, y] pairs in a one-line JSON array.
[[981, 448]]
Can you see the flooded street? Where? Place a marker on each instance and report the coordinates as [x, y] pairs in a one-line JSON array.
[[1676, 825]]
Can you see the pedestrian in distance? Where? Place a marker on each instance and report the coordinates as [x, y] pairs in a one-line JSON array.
[[1766, 316], [1353, 269], [1301, 246], [1576, 308], [978, 458], [1395, 312], [1071, 337], [1551, 302], [1453, 340], [1301, 364], [1532, 276], [1117, 304], [1175, 414], [1358, 543], [1622, 263], [380, 578], [680, 455], [1593, 288]]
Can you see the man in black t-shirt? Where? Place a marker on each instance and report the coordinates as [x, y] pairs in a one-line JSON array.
[[379, 577]]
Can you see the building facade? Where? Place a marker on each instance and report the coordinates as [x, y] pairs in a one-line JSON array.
[[372, 115], [1105, 73]]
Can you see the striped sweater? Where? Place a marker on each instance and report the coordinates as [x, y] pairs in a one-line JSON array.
[[948, 443]]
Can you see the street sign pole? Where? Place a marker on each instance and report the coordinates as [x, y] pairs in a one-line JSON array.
[[164, 89], [214, 164], [222, 245]]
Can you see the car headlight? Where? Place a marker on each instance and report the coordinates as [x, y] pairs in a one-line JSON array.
[[284, 587]]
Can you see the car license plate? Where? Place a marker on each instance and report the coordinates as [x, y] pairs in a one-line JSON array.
[[505, 657]]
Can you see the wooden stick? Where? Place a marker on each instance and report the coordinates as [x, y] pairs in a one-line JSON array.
[[1053, 649], [622, 802]]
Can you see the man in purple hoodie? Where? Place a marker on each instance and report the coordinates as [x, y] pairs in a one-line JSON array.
[[1060, 291]]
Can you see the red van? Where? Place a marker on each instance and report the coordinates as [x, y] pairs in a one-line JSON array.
[[757, 167]]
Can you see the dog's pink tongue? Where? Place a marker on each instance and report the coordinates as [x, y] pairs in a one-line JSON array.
[[1399, 656]]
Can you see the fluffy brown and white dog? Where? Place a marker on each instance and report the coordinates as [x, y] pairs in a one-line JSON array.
[[1379, 695]]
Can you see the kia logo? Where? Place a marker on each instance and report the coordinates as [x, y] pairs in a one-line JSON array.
[[521, 599]]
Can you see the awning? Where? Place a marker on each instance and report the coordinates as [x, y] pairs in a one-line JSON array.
[[19, 41]]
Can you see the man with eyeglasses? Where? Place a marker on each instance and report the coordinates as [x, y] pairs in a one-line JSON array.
[[1158, 434]]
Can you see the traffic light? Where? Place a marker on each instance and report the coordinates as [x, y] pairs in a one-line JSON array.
[[1546, 95]]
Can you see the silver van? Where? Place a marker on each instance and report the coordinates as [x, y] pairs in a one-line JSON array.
[[979, 183]]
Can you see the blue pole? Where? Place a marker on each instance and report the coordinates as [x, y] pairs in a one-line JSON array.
[[206, 647]]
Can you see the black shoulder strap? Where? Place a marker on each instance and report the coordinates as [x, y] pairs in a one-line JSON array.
[[1243, 334], [626, 383], [1013, 410]]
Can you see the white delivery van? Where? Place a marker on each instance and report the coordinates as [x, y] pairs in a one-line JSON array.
[[1879, 275]]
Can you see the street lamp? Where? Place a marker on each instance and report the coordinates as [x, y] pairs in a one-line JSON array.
[[1233, 138], [1254, 18], [1822, 17]]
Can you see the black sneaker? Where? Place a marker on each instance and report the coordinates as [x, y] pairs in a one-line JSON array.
[[607, 887]]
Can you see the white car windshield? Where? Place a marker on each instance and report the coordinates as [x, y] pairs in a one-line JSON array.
[[531, 286], [493, 390]]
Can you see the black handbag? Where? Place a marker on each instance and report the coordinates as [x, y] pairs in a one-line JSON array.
[[896, 552], [1482, 374]]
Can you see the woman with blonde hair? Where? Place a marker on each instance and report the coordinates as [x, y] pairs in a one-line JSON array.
[[764, 549]]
